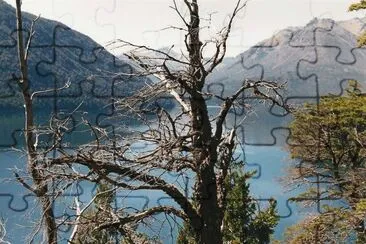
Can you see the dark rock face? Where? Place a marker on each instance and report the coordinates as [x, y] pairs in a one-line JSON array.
[[59, 55]]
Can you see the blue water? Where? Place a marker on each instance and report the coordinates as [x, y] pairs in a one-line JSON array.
[[17, 207], [271, 162]]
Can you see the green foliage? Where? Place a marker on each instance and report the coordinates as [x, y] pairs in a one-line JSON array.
[[335, 225], [243, 221], [331, 135], [356, 7], [329, 141]]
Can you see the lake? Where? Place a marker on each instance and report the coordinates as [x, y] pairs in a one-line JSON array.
[[19, 211]]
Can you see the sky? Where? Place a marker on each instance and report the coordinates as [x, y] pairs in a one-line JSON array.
[[146, 21]]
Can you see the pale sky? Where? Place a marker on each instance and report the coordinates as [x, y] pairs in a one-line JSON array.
[[142, 21]]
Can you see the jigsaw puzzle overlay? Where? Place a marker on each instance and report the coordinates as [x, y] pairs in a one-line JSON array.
[[315, 60]]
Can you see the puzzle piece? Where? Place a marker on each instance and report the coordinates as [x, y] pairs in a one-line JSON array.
[[288, 45], [104, 78]]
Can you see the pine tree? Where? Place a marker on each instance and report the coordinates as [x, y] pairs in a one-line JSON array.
[[243, 221]]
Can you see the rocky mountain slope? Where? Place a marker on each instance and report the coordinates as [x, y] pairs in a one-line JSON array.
[[316, 59], [60, 55]]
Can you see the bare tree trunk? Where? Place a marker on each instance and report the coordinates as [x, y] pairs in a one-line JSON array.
[[206, 156], [208, 208], [40, 188], [180, 145], [206, 186]]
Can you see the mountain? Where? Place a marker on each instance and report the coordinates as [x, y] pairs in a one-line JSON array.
[[315, 59], [60, 55]]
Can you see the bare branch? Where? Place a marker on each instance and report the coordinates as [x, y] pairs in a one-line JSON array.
[[156, 183], [30, 37], [67, 85], [80, 212], [221, 45], [179, 13], [255, 86], [143, 47], [142, 215], [24, 184], [3, 233], [189, 5]]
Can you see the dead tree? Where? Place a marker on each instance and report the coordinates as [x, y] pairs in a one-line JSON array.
[[191, 140], [39, 186]]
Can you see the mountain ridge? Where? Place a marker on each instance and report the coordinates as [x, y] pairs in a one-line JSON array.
[[315, 60], [59, 55], [323, 48]]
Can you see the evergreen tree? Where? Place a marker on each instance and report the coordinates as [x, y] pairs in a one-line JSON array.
[[243, 221]]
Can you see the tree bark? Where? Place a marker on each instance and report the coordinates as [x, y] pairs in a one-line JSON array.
[[40, 188], [208, 208], [206, 155]]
